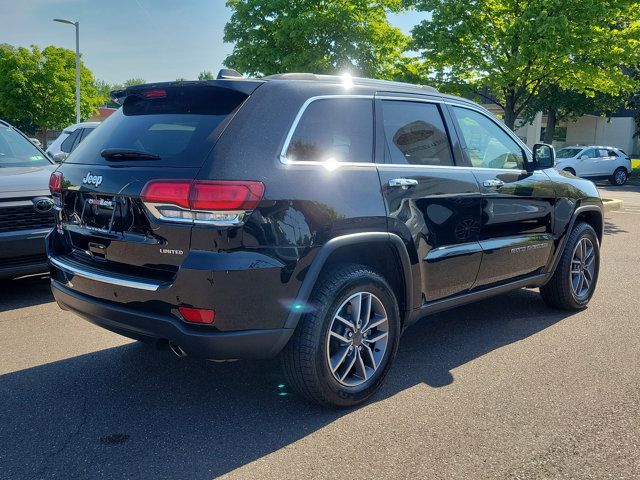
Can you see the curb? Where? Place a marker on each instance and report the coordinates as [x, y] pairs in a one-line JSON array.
[[611, 204]]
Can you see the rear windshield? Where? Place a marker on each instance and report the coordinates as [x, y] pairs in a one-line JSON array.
[[178, 124], [17, 151], [568, 152]]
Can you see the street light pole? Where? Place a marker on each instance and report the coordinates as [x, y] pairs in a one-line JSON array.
[[77, 25]]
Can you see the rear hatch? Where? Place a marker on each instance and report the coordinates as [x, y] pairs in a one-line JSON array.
[[162, 132]]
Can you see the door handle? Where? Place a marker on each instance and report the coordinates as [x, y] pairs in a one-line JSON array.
[[493, 183], [402, 182]]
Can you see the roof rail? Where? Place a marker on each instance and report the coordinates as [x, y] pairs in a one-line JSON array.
[[356, 80]]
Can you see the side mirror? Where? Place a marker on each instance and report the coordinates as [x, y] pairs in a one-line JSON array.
[[544, 156], [60, 157], [584, 157]]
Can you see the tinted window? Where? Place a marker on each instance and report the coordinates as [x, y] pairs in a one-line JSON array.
[[179, 125], [338, 129], [612, 153], [488, 145], [67, 144], [568, 152], [85, 131], [17, 151], [591, 153], [415, 133], [603, 152]]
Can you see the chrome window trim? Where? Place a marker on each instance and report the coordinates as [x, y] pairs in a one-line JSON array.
[[152, 287], [285, 161], [294, 125]]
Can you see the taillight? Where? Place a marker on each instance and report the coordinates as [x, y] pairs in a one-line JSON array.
[[215, 202], [55, 183]]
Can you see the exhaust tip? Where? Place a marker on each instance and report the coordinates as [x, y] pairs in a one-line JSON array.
[[177, 350]]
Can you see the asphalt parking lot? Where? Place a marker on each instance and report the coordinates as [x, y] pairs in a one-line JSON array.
[[501, 389]]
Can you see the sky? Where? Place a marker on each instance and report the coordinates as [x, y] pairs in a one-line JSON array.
[[156, 40]]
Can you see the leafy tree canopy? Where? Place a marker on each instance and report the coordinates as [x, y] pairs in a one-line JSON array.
[[206, 75], [319, 36], [515, 48], [37, 87]]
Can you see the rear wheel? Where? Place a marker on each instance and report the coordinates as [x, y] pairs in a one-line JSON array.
[[341, 352], [619, 177], [576, 275]]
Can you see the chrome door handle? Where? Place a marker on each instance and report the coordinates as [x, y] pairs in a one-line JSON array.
[[493, 183], [402, 182]]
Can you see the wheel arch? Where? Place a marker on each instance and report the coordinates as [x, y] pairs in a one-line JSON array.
[[368, 248], [591, 214]]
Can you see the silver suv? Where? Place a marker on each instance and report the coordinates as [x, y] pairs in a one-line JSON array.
[[595, 163]]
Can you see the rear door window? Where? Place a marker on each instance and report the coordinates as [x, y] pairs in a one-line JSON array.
[[179, 124], [415, 133], [334, 129]]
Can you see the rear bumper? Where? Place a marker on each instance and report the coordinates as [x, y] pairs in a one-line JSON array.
[[23, 253], [195, 341]]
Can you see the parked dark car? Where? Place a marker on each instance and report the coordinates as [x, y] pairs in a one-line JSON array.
[[315, 217], [26, 207]]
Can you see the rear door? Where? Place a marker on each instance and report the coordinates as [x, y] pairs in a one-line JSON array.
[[517, 205], [165, 134], [432, 203], [587, 164]]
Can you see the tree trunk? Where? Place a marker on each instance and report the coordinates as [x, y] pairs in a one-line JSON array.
[[552, 120], [510, 116], [43, 138]]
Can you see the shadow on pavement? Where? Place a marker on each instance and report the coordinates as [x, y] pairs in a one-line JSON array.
[[132, 412], [24, 292], [612, 228]]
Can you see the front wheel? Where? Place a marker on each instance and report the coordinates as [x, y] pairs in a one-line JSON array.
[[342, 350], [574, 281], [619, 177]]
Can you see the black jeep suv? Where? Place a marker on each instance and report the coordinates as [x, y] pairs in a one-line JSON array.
[[315, 217]]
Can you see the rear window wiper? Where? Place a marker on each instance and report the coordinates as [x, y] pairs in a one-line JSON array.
[[128, 153]]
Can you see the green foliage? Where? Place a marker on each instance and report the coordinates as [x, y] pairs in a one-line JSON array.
[[516, 48], [206, 75], [319, 36], [37, 87], [132, 82]]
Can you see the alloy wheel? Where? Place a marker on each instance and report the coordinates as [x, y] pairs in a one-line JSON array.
[[583, 268], [620, 177], [357, 339]]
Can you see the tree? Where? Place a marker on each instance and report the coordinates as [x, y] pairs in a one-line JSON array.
[[515, 48], [319, 36], [205, 75], [561, 105], [37, 87], [132, 82]]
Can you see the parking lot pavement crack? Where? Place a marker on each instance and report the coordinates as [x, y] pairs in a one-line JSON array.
[[72, 435]]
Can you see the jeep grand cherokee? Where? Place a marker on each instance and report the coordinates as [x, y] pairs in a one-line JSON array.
[[312, 218]]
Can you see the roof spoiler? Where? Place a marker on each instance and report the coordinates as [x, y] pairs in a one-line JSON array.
[[239, 84]]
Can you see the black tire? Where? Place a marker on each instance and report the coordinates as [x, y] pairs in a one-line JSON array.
[[619, 177], [559, 292], [571, 171], [305, 358]]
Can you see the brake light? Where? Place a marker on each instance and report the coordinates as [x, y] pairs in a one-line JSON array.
[[220, 202], [158, 93], [55, 183], [197, 315], [174, 193]]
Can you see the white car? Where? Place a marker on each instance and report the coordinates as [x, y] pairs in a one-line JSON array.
[[69, 139], [595, 163]]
